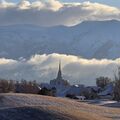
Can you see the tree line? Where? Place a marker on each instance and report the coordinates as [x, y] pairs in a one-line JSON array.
[[22, 86], [102, 82], [33, 87]]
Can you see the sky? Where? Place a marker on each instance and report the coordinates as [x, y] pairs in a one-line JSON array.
[[44, 68], [115, 3], [54, 12], [108, 2]]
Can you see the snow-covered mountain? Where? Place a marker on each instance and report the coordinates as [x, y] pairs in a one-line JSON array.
[[90, 39]]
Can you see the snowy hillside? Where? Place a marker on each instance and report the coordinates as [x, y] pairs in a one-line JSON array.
[[35, 107], [99, 39]]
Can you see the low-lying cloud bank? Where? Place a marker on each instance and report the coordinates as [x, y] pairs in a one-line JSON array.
[[44, 68], [54, 12]]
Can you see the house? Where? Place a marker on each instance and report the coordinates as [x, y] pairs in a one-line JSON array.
[[91, 92], [75, 90], [82, 98], [93, 89], [107, 93]]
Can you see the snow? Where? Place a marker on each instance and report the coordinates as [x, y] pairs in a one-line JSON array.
[[101, 102], [28, 100], [81, 97], [98, 39], [13, 100]]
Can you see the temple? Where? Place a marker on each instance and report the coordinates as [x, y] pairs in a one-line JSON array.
[[59, 75], [59, 81]]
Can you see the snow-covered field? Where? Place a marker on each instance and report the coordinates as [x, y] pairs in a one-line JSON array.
[[36, 107], [102, 102]]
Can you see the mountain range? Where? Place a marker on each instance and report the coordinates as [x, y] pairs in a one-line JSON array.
[[89, 39]]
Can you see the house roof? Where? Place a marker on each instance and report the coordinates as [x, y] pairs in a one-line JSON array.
[[108, 90]]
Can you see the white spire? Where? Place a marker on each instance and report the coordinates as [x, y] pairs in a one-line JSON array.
[[59, 76]]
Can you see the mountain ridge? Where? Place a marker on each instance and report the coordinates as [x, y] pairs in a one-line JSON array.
[[90, 39]]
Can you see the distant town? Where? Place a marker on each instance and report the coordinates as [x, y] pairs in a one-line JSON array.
[[59, 87]]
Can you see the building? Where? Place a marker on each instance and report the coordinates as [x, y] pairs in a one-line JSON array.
[[59, 82], [81, 98], [76, 90], [62, 86], [107, 93]]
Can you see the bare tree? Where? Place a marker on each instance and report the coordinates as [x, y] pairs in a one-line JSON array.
[[102, 81], [11, 87], [117, 86], [6, 86], [25, 86]]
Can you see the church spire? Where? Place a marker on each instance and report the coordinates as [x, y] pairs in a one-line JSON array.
[[59, 75]]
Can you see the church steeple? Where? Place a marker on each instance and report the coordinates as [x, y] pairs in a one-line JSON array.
[[59, 82], [59, 75]]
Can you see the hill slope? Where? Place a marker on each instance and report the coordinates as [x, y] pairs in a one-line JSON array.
[[36, 107], [98, 39]]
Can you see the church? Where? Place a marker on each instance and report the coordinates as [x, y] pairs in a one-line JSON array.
[[59, 82], [62, 86]]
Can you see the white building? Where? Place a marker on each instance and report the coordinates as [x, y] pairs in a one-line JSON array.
[[59, 82], [81, 98]]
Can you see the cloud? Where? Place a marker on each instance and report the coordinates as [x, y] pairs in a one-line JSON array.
[[53, 12], [44, 67], [6, 61]]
